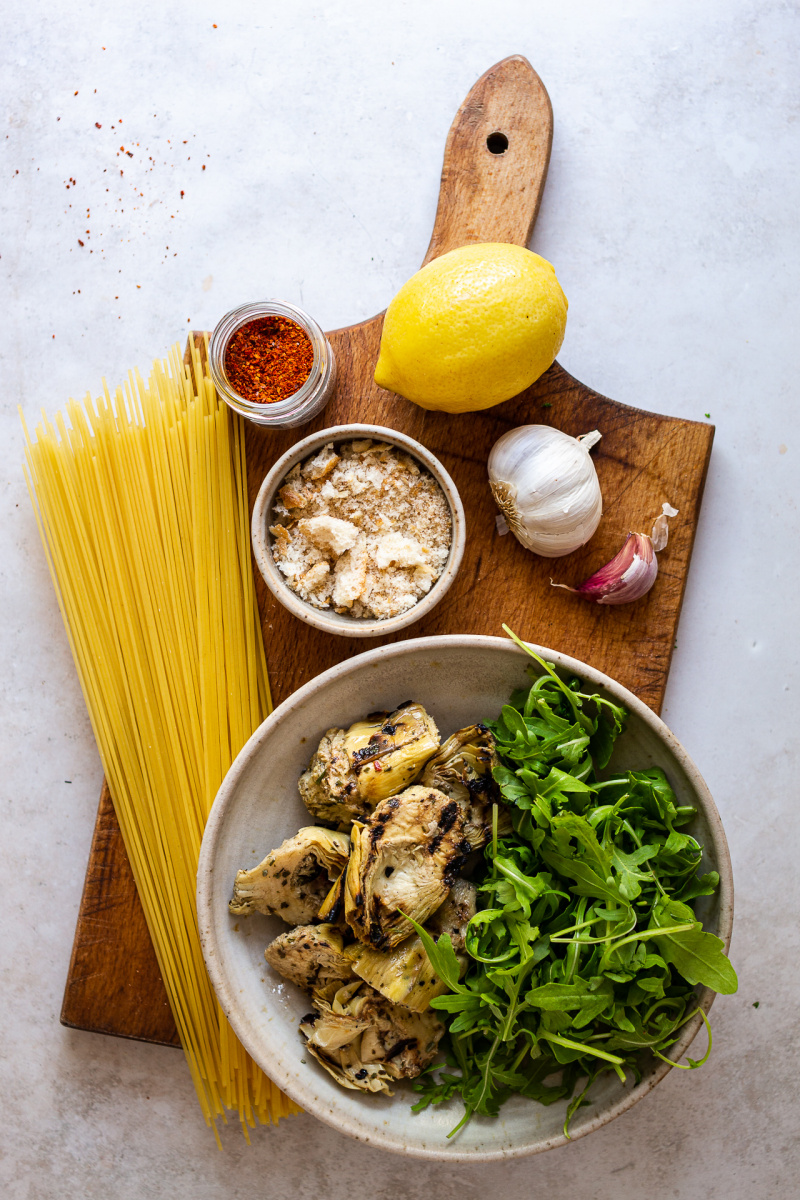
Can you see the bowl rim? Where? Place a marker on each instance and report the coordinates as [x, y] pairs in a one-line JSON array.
[[294, 1087], [325, 619]]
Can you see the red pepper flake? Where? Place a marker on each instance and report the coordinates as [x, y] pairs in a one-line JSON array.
[[80, 243], [268, 359], [182, 195], [97, 125]]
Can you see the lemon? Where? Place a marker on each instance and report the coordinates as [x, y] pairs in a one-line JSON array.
[[472, 328]]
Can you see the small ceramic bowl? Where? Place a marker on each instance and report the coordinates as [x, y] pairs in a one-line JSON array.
[[326, 618]]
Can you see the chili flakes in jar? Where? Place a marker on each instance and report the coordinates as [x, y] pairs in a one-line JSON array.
[[268, 359]]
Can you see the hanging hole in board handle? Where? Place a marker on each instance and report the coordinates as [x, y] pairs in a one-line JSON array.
[[497, 143]]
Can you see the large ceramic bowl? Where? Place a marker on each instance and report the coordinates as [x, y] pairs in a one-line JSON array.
[[459, 680]]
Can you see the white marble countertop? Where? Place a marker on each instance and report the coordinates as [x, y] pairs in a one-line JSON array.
[[671, 216]]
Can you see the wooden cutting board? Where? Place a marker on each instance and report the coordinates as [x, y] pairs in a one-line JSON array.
[[495, 165]]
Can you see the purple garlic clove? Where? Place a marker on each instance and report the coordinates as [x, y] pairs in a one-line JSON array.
[[630, 573]]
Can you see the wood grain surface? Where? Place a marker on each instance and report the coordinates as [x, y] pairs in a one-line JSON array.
[[642, 460], [114, 984]]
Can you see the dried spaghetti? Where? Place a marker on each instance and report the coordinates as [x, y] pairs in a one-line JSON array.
[[141, 501]]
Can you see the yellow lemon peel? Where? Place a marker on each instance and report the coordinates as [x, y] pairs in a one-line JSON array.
[[472, 328]]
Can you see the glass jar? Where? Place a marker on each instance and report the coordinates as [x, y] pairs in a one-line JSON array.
[[302, 405]]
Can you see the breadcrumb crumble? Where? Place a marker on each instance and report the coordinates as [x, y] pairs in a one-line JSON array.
[[361, 528]]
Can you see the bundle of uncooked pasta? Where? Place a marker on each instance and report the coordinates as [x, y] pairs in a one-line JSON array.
[[141, 500]]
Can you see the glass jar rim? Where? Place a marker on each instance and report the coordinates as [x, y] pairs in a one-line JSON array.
[[224, 330]]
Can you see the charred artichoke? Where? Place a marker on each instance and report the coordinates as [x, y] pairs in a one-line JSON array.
[[455, 914], [405, 975], [293, 880], [389, 756], [352, 771], [310, 956], [329, 788], [403, 860], [462, 769], [365, 1042], [332, 907]]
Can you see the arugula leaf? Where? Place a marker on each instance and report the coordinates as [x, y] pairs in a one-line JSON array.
[[638, 1037], [699, 885], [512, 788], [435, 1091], [698, 956], [587, 882], [561, 783], [626, 866], [569, 825], [581, 995], [610, 724]]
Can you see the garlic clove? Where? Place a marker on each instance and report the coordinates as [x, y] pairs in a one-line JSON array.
[[632, 572], [628, 575]]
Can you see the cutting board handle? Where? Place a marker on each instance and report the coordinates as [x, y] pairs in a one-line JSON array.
[[495, 160]]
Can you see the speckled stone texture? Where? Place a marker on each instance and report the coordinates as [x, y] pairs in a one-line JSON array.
[[671, 217]]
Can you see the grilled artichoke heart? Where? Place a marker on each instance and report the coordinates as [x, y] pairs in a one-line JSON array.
[[389, 755], [329, 788], [404, 858], [310, 956], [405, 975], [351, 771], [462, 769], [455, 914], [293, 880], [365, 1042], [332, 907]]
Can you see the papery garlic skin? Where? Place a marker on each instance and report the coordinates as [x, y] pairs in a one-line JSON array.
[[545, 484], [660, 532]]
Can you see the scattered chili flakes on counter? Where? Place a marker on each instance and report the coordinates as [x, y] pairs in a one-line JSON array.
[[268, 359]]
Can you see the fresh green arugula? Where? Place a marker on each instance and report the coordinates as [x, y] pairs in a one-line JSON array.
[[585, 950]]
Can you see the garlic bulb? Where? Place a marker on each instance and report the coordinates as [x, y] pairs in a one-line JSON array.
[[630, 573], [546, 487]]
